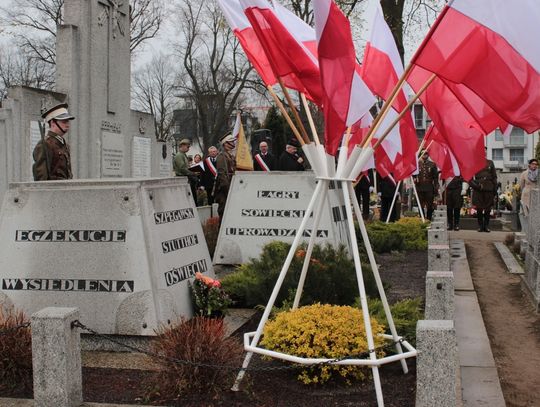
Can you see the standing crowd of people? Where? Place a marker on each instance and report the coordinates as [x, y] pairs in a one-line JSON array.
[[210, 177]]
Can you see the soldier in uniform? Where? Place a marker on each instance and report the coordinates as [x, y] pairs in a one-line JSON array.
[[52, 159], [455, 190], [484, 185], [225, 167], [427, 183], [181, 166]]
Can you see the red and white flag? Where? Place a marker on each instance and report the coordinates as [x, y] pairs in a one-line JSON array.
[[346, 97], [287, 56], [454, 122], [441, 154], [242, 29], [381, 70], [492, 47]]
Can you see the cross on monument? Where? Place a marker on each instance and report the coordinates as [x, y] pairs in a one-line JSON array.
[[115, 18]]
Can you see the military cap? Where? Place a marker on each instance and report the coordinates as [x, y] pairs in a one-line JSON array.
[[58, 112], [185, 141]]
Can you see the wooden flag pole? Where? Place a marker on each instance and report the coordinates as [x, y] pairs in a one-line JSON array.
[[310, 120], [286, 115], [295, 113], [405, 110]]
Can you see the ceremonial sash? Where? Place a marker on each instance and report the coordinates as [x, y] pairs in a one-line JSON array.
[[211, 166], [261, 162]]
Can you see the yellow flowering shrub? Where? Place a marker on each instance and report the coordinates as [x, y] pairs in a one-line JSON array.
[[322, 331]]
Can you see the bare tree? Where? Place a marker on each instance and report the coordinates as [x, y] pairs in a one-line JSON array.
[[34, 24], [154, 92], [215, 71], [18, 69]]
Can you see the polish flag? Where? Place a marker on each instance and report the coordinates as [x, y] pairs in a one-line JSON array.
[[453, 121], [381, 70], [492, 47], [288, 57], [242, 29], [346, 97], [441, 154]]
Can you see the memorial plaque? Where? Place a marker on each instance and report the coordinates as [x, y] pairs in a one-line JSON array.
[[141, 159], [263, 207], [122, 252], [112, 155]]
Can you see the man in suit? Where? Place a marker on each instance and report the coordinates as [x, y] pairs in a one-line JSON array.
[[290, 160], [209, 174], [264, 160]]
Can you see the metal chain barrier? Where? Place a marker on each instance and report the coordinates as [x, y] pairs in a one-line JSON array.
[[78, 324], [14, 328]]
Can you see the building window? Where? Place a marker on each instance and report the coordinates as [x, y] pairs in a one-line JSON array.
[[498, 136], [517, 154], [497, 154], [517, 137], [419, 117]]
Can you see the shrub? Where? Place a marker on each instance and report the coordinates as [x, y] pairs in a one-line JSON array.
[[405, 234], [211, 232], [15, 351], [331, 277], [405, 313], [196, 341], [322, 331]]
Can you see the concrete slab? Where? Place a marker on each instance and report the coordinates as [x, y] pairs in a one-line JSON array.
[[511, 263], [473, 342], [460, 266], [482, 387]]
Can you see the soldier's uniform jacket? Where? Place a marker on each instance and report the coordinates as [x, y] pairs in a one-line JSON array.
[[427, 178], [58, 158], [484, 186], [225, 166]]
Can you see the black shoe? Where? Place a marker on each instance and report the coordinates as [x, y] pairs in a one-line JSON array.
[[456, 228], [480, 229], [449, 227], [487, 230]]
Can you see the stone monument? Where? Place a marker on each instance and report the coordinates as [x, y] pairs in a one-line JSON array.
[[108, 139], [531, 279]]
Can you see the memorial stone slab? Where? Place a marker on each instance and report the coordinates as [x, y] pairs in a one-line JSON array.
[[262, 208], [438, 225], [121, 251], [532, 255]]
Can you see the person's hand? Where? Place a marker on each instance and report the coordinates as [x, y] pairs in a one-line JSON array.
[[370, 190], [300, 160], [464, 188], [379, 194]]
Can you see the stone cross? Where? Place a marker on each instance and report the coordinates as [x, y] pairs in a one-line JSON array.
[[116, 24]]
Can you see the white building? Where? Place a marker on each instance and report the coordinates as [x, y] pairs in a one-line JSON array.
[[511, 153]]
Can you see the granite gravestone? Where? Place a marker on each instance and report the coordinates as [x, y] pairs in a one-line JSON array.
[[531, 279]]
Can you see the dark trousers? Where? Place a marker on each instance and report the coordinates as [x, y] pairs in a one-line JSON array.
[[385, 209], [426, 201], [453, 215], [362, 195], [482, 216]]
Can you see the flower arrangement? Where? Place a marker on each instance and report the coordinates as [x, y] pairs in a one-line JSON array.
[[209, 298]]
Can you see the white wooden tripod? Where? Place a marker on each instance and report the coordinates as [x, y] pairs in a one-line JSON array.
[[346, 172]]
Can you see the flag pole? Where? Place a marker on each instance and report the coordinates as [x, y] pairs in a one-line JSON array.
[[310, 119], [405, 110], [295, 113], [286, 115]]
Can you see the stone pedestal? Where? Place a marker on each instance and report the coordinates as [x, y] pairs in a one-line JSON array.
[[439, 295], [120, 251], [439, 257], [437, 237], [56, 358], [437, 363]]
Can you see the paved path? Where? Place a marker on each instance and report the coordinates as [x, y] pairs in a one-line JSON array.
[[479, 379]]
